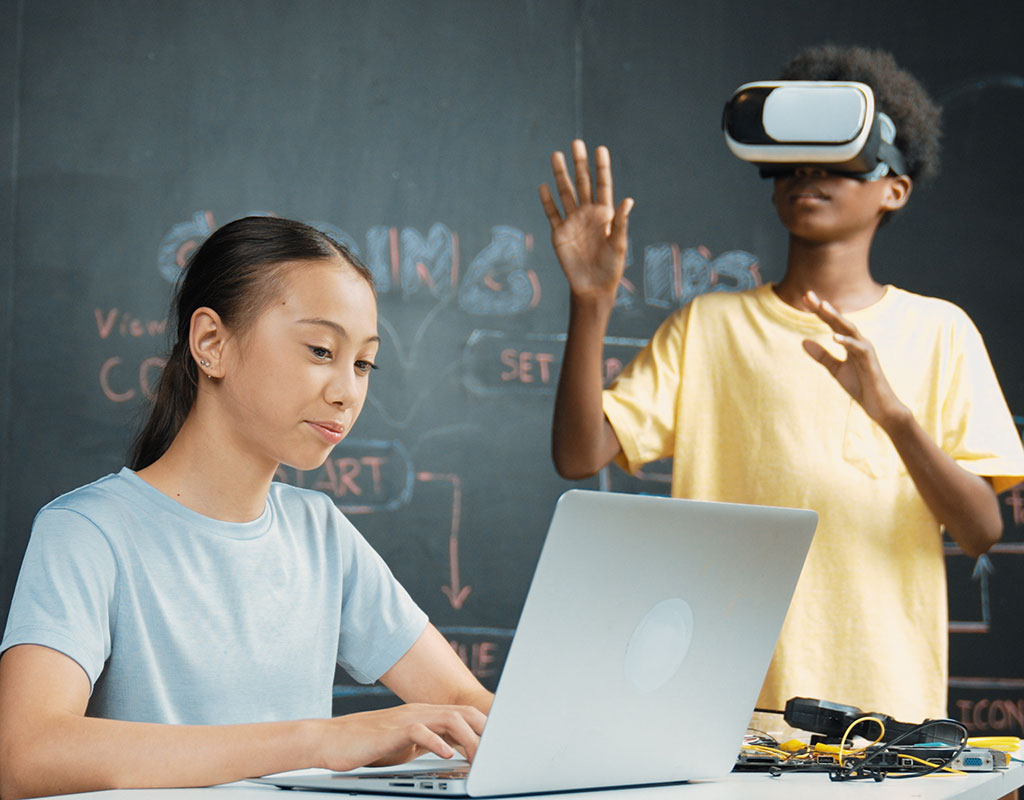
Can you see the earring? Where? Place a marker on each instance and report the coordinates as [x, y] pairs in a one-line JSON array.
[[203, 363]]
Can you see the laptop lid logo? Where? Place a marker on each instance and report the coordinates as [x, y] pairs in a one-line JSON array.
[[658, 645]]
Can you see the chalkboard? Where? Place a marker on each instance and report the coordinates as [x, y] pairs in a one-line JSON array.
[[417, 132]]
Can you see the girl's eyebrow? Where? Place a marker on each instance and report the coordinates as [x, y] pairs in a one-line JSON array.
[[339, 329]]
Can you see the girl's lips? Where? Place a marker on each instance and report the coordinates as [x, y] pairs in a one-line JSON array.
[[330, 432]]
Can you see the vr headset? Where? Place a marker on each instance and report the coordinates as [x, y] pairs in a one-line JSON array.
[[782, 125]]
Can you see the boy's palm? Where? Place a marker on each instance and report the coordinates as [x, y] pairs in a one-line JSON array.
[[590, 240], [860, 374], [591, 262]]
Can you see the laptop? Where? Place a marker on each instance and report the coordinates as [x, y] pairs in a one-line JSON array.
[[639, 655]]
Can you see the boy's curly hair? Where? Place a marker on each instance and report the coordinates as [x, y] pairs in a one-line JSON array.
[[897, 93]]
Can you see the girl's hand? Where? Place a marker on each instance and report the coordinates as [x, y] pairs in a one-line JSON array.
[[396, 735], [860, 374], [590, 241]]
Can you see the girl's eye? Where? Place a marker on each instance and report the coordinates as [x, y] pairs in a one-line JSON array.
[[365, 366], [321, 353]]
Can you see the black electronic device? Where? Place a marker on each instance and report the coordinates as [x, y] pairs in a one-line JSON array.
[[831, 721]]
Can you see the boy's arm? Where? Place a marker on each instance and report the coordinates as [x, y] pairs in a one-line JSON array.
[[590, 242], [48, 746], [582, 439], [964, 503]]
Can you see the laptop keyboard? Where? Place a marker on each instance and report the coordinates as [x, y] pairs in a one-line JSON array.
[[453, 774]]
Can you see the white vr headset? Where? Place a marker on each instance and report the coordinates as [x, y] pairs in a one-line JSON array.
[[781, 125]]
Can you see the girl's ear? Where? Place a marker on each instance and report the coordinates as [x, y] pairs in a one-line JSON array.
[[207, 336], [900, 188]]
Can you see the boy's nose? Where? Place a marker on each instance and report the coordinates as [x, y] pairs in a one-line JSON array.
[[810, 171]]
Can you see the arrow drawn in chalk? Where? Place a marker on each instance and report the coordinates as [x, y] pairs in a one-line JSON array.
[[455, 591], [982, 569]]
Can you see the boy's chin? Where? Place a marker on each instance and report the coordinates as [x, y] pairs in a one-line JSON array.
[[814, 231]]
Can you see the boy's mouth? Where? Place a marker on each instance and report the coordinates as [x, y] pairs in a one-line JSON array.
[[808, 193]]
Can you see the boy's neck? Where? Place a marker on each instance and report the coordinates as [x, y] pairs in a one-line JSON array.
[[838, 272]]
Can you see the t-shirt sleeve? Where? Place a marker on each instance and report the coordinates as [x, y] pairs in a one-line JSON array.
[[379, 620], [65, 595], [979, 431], [641, 402]]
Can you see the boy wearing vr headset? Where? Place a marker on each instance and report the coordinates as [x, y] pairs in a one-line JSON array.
[[898, 430]]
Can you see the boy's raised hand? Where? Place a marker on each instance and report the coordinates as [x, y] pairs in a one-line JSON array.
[[590, 241], [860, 374]]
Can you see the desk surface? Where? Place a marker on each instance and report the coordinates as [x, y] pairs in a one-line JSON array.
[[755, 786]]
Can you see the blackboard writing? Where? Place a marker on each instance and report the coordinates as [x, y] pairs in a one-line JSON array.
[[980, 713], [673, 277], [453, 590], [495, 362], [499, 280], [361, 476]]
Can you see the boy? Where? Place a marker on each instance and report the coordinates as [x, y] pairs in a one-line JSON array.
[[903, 432]]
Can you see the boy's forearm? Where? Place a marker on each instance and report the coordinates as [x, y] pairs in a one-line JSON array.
[[580, 442], [72, 753], [964, 503]]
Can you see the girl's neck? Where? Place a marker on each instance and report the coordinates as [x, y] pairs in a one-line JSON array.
[[838, 272], [208, 477]]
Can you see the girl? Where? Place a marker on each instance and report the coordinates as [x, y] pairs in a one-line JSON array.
[[178, 624]]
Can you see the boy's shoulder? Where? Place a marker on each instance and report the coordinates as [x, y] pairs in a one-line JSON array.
[[726, 303], [725, 300], [937, 308]]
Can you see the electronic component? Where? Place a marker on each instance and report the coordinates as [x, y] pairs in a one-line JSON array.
[[779, 125], [913, 758], [832, 721]]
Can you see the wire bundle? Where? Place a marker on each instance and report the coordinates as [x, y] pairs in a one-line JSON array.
[[867, 762], [862, 762]]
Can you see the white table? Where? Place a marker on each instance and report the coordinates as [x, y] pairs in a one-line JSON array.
[[746, 785]]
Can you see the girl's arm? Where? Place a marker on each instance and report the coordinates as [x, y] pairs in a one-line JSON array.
[[48, 745], [432, 672]]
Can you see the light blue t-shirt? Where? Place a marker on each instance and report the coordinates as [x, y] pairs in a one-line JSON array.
[[182, 619]]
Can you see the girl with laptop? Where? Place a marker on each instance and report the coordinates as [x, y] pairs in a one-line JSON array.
[[178, 623]]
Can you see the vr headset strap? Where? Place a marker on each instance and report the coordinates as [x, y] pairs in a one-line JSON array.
[[893, 157]]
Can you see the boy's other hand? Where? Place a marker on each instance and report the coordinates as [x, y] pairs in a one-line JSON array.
[[860, 374], [590, 240]]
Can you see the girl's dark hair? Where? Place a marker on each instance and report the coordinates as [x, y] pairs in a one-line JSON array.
[[897, 93], [237, 272]]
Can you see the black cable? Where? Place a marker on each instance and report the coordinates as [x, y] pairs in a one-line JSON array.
[[923, 726], [863, 766]]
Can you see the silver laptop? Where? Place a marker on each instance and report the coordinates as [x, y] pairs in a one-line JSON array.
[[639, 655]]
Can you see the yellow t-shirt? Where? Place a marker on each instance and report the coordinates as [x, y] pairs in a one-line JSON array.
[[727, 390]]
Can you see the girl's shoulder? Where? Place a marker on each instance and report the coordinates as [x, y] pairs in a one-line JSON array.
[[290, 502], [100, 495]]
